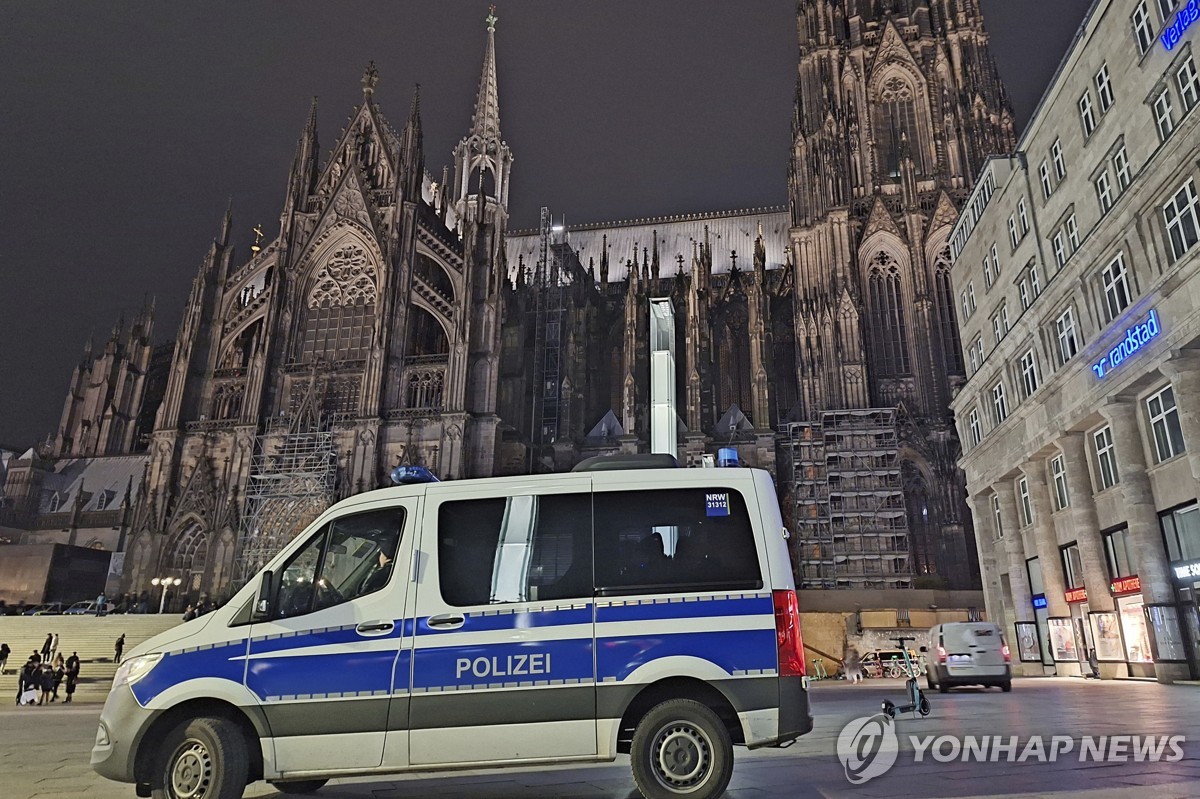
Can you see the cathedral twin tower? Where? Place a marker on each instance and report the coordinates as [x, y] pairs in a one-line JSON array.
[[396, 319]]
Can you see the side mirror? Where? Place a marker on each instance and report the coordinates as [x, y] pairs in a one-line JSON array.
[[266, 590], [924, 649]]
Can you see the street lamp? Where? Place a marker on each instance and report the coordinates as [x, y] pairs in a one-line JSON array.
[[165, 582]]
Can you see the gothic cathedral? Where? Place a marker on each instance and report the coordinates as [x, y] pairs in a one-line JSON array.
[[395, 319]]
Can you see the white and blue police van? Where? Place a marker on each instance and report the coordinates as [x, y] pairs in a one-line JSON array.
[[509, 621]]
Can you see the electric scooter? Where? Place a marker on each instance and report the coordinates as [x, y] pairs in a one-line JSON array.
[[917, 703]]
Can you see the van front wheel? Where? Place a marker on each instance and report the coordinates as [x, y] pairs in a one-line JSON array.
[[681, 748], [204, 758]]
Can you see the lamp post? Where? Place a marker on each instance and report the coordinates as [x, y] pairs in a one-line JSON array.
[[165, 582]]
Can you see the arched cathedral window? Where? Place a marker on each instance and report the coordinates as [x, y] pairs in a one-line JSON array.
[[889, 355], [896, 127], [733, 357], [339, 314], [947, 325]]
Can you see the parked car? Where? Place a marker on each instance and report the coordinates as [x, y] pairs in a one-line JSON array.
[[86, 608], [967, 653], [48, 609]]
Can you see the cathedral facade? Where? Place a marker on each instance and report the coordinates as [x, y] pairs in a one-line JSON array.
[[395, 319]]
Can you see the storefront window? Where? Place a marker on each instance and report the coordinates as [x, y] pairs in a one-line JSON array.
[[1062, 639], [1027, 642], [1133, 624], [1072, 566], [1106, 633], [1168, 640], [1181, 529]]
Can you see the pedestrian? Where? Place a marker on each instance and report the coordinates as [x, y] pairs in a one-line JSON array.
[[101, 604], [4, 653], [73, 662], [27, 684], [36, 657], [54, 647], [852, 665], [46, 683], [47, 645], [189, 614], [118, 648], [60, 672], [72, 680], [144, 602]]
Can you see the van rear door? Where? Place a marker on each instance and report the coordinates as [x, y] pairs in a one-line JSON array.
[[503, 658]]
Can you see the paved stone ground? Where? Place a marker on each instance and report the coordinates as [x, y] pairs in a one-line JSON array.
[[44, 752]]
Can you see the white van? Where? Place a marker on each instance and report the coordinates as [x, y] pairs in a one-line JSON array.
[[481, 623], [967, 653]]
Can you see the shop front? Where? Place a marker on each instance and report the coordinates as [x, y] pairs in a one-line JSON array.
[[1077, 602], [1183, 620], [1131, 617]]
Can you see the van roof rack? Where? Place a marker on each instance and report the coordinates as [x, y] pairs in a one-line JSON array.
[[613, 463]]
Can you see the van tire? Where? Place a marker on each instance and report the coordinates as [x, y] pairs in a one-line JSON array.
[[299, 787], [701, 744], [1006, 686], [206, 750]]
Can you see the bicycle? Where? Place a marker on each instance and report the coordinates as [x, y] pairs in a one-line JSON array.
[[917, 701]]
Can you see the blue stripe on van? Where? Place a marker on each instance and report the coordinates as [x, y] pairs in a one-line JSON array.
[[344, 674], [176, 667], [732, 650], [653, 611], [324, 636], [478, 666]]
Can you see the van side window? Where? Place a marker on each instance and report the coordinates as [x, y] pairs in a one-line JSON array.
[[515, 549], [672, 540], [351, 557]]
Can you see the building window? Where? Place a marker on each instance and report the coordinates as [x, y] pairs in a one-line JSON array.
[[1164, 425], [975, 428], [1182, 215], [1120, 163], [1035, 280], [1044, 174], [1023, 216], [979, 348], [1121, 553], [887, 317], [1012, 231], [1072, 566], [997, 328], [1163, 118], [895, 123], [989, 277], [1026, 505], [1087, 114], [1104, 90], [951, 343], [999, 525], [1142, 32], [1023, 291], [999, 403], [1004, 316], [966, 306], [1115, 282], [1106, 458], [996, 259], [1073, 232], [971, 295], [1165, 7], [1189, 84], [1029, 372], [976, 354], [1060, 164], [1060, 250], [1104, 192], [1068, 345], [1181, 529], [1058, 471]]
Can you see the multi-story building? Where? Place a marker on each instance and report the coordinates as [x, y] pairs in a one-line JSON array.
[[1075, 268]]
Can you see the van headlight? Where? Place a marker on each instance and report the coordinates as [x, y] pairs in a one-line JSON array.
[[135, 669]]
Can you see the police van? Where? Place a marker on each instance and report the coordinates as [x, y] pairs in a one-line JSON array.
[[484, 623]]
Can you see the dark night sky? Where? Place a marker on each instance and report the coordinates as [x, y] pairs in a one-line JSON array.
[[126, 126]]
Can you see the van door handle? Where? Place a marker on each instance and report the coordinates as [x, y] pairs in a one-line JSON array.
[[446, 621], [375, 627]]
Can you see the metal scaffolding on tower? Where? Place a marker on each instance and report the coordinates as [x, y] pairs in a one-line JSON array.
[[548, 278]]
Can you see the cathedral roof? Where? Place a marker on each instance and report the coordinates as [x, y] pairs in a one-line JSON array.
[[727, 230], [103, 482]]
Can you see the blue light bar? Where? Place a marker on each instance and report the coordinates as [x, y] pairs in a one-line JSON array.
[[410, 475]]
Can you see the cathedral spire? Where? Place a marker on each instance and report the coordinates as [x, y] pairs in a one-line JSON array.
[[369, 79], [486, 121], [304, 165], [226, 224], [412, 155]]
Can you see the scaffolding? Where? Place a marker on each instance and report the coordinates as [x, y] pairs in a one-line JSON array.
[[849, 510], [549, 274], [293, 479]]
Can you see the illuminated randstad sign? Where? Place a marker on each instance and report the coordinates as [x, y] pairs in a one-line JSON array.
[[1183, 20], [1136, 337]]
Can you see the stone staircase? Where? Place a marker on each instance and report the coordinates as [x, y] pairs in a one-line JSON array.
[[90, 636]]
